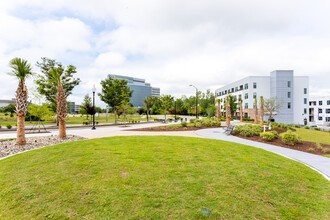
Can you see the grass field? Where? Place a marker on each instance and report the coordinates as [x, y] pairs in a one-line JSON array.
[[314, 136], [159, 178]]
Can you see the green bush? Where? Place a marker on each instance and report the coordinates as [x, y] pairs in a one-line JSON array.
[[184, 124], [192, 120], [248, 130], [268, 136], [198, 124], [275, 134], [207, 122], [317, 129], [311, 149], [291, 138], [326, 150], [306, 127], [297, 126], [9, 126]]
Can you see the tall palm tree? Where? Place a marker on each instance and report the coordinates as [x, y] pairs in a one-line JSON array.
[[227, 111], [61, 109], [241, 111], [218, 109], [255, 111], [262, 111], [149, 102], [21, 69]]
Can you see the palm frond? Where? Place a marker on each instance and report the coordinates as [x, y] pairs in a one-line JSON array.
[[21, 69]]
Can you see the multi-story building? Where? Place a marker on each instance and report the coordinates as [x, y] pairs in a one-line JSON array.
[[141, 89], [319, 110], [291, 90]]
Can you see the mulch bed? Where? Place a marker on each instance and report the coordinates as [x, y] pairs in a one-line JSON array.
[[303, 146], [169, 128]]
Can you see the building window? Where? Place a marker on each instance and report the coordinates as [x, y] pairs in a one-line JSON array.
[[327, 118], [327, 110], [328, 102], [221, 106], [254, 85], [246, 105], [289, 104], [314, 102], [320, 110], [221, 100], [246, 86], [239, 98], [241, 87], [289, 95], [246, 95], [236, 88], [320, 118], [289, 84], [305, 100], [305, 90], [305, 110], [254, 95], [320, 102]]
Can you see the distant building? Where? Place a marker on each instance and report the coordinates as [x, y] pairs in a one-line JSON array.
[[4, 103], [291, 90], [141, 89], [70, 107], [319, 110]]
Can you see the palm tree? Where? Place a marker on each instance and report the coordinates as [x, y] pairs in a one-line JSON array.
[[227, 111], [255, 111], [241, 111], [21, 69], [149, 102], [61, 108], [262, 111], [218, 109]]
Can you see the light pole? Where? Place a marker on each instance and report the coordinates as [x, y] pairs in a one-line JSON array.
[[175, 109], [196, 99], [94, 90]]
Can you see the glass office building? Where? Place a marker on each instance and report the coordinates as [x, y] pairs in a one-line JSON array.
[[141, 89]]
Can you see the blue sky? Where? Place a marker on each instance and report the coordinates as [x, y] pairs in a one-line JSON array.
[[170, 43]]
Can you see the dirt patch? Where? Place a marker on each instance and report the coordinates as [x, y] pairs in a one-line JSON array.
[[303, 146], [170, 128]]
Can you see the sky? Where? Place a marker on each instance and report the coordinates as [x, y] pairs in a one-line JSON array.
[[171, 44]]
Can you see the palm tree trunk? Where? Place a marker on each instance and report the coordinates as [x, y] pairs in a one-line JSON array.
[[147, 115], [61, 129], [241, 112], [115, 117], [20, 130], [227, 112]]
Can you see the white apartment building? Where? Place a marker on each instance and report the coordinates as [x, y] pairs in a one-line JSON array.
[[319, 111], [291, 90]]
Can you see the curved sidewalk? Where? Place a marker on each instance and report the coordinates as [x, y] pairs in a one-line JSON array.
[[318, 163]]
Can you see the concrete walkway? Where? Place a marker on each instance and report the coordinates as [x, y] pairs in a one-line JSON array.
[[316, 162]]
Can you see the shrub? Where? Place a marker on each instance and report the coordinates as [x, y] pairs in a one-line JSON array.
[[184, 124], [291, 138], [11, 115], [297, 126], [326, 150], [311, 149], [248, 130], [268, 136], [9, 126], [317, 129], [275, 134], [306, 127], [207, 122], [185, 128], [198, 124], [318, 146], [0, 126], [192, 120]]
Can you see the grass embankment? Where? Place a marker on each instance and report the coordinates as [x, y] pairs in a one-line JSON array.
[[314, 136], [159, 178]]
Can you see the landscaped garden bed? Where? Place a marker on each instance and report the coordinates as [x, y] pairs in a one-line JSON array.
[[306, 146]]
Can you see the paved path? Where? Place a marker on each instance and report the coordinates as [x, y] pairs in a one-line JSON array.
[[318, 163]]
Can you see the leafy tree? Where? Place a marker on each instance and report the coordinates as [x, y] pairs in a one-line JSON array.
[[211, 110], [233, 104], [115, 93], [48, 87], [86, 105], [272, 106], [149, 102], [166, 102], [9, 108], [40, 112], [21, 69]]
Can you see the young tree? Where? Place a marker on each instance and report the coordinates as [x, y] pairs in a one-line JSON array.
[[115, 93], [61, 109], [272, 105], [48, 87], [9, 108], [166, 102], [149, 102], [255, 111], [228, 107], [262, 111], [85, 105], [21, 69], [233, 104], [218, 109], [40, 111]]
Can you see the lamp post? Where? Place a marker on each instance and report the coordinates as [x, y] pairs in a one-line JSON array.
[[175, 109], [94, 90], [196, 98]]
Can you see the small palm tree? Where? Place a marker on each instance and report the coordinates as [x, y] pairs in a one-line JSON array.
[[227, 111], [255, 111], [61, 109], [149, 102], [218, 109], [241, 111], [262, 111], [21, 69]]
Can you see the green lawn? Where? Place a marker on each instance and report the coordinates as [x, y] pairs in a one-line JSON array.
[[159, 178], [314, 136]]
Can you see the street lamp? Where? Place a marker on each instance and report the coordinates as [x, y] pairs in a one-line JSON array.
[[196, 98], [94, 90]]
